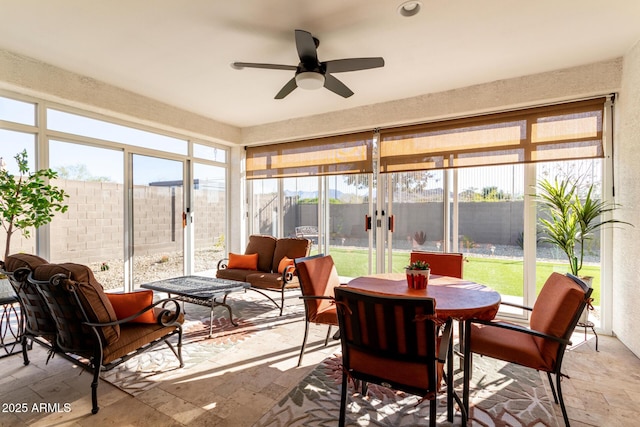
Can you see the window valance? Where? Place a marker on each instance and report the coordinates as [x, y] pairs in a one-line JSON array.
[[558, 132], [335, 155]]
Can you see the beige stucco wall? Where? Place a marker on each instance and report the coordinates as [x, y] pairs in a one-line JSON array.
[[626, 252], [35, 78]]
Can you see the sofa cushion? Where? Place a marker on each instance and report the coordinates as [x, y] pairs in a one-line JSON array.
[[291, 248], [133, 336], [270, 281], [129, 303], [91, 294], [245, 262], [234, 274], [16, 261], [264, 246]]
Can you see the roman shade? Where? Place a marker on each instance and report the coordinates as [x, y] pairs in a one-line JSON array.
[[551, 133], [335, 155]]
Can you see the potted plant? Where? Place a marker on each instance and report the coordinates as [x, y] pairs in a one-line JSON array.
[[571, 220], [27, 199], [417, 274]]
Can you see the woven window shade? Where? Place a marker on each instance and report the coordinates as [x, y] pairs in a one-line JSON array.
[[559, 132], [337, 155]]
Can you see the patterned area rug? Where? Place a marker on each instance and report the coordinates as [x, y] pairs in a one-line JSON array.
[[253, 313], [502, 395]]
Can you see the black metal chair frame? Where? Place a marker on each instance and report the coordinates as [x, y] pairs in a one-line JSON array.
[[564, 341], [415, 310], [77, 335], [32, 328]]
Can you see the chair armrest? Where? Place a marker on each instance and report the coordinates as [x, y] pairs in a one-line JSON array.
[[511, 304], [287, 274], [222, 264], [166, 317], [517, 328]]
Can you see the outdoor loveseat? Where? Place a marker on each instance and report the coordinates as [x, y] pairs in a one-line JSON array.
[[267, 265], [93, 329]]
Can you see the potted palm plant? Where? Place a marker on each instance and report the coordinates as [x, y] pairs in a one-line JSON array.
[[27, 199], [571, 220]]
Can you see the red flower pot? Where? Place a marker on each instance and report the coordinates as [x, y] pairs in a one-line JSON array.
[[417, 279]]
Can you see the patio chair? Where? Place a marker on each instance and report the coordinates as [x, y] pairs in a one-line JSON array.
[[393, 341], [318, 278], [541, 346], [443, 264], [88, 331], [36, 324]]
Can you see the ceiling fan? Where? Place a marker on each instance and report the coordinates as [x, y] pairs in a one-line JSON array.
[[310, 73]]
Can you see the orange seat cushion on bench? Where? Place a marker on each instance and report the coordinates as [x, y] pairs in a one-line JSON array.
[[129, 303]]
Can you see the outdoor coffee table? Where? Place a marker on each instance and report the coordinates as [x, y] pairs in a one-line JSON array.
[[200, 290]]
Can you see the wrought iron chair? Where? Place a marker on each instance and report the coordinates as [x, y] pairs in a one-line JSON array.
[[86, 324], [393, 341], [36, 324], [541, 346], [318, 278]]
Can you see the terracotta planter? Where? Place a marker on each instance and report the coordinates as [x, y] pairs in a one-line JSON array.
[[417, 279]]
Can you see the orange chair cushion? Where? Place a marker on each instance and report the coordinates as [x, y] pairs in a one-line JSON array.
[[556, 306], [443, 264], [243, 262], [409, 374], [319, 277], [508, 345], [284, 263], [129, 303]]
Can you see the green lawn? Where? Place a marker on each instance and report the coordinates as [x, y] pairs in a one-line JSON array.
[[503, 275]]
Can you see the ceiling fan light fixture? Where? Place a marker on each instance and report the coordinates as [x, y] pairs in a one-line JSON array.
[[309, 80], [410, 8]]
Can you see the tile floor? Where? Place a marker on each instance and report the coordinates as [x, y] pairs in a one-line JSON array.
[[237, 388]]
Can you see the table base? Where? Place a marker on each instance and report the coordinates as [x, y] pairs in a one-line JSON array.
[[208, 302]]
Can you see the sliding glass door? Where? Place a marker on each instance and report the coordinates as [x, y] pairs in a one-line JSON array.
[[157, 203]]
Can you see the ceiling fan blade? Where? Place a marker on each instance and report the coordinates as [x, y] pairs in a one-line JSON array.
[[287, 89], [336, 86], [306, 47], [353, 64], [241, 65]]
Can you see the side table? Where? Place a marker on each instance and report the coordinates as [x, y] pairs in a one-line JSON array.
[[10, 325], [589, 324]]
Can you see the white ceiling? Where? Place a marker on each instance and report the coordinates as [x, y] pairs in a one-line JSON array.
[[179, 52]]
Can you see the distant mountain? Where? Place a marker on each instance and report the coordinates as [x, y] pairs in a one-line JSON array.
[[333, 194]]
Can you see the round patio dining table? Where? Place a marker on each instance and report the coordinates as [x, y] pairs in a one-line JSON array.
[[455, 298]]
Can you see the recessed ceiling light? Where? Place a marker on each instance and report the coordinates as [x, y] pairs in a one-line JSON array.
[[409, 8]]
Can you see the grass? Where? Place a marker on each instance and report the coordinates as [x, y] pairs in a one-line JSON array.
[[503, 275]]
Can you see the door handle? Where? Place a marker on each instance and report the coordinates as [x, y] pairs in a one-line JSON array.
[[392, 223], [367, 222]]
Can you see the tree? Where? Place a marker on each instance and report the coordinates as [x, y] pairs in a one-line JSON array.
[[28, 200]]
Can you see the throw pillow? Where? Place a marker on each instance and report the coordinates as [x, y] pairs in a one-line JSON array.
[[284, 263], [243, 262], [130, 303]]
